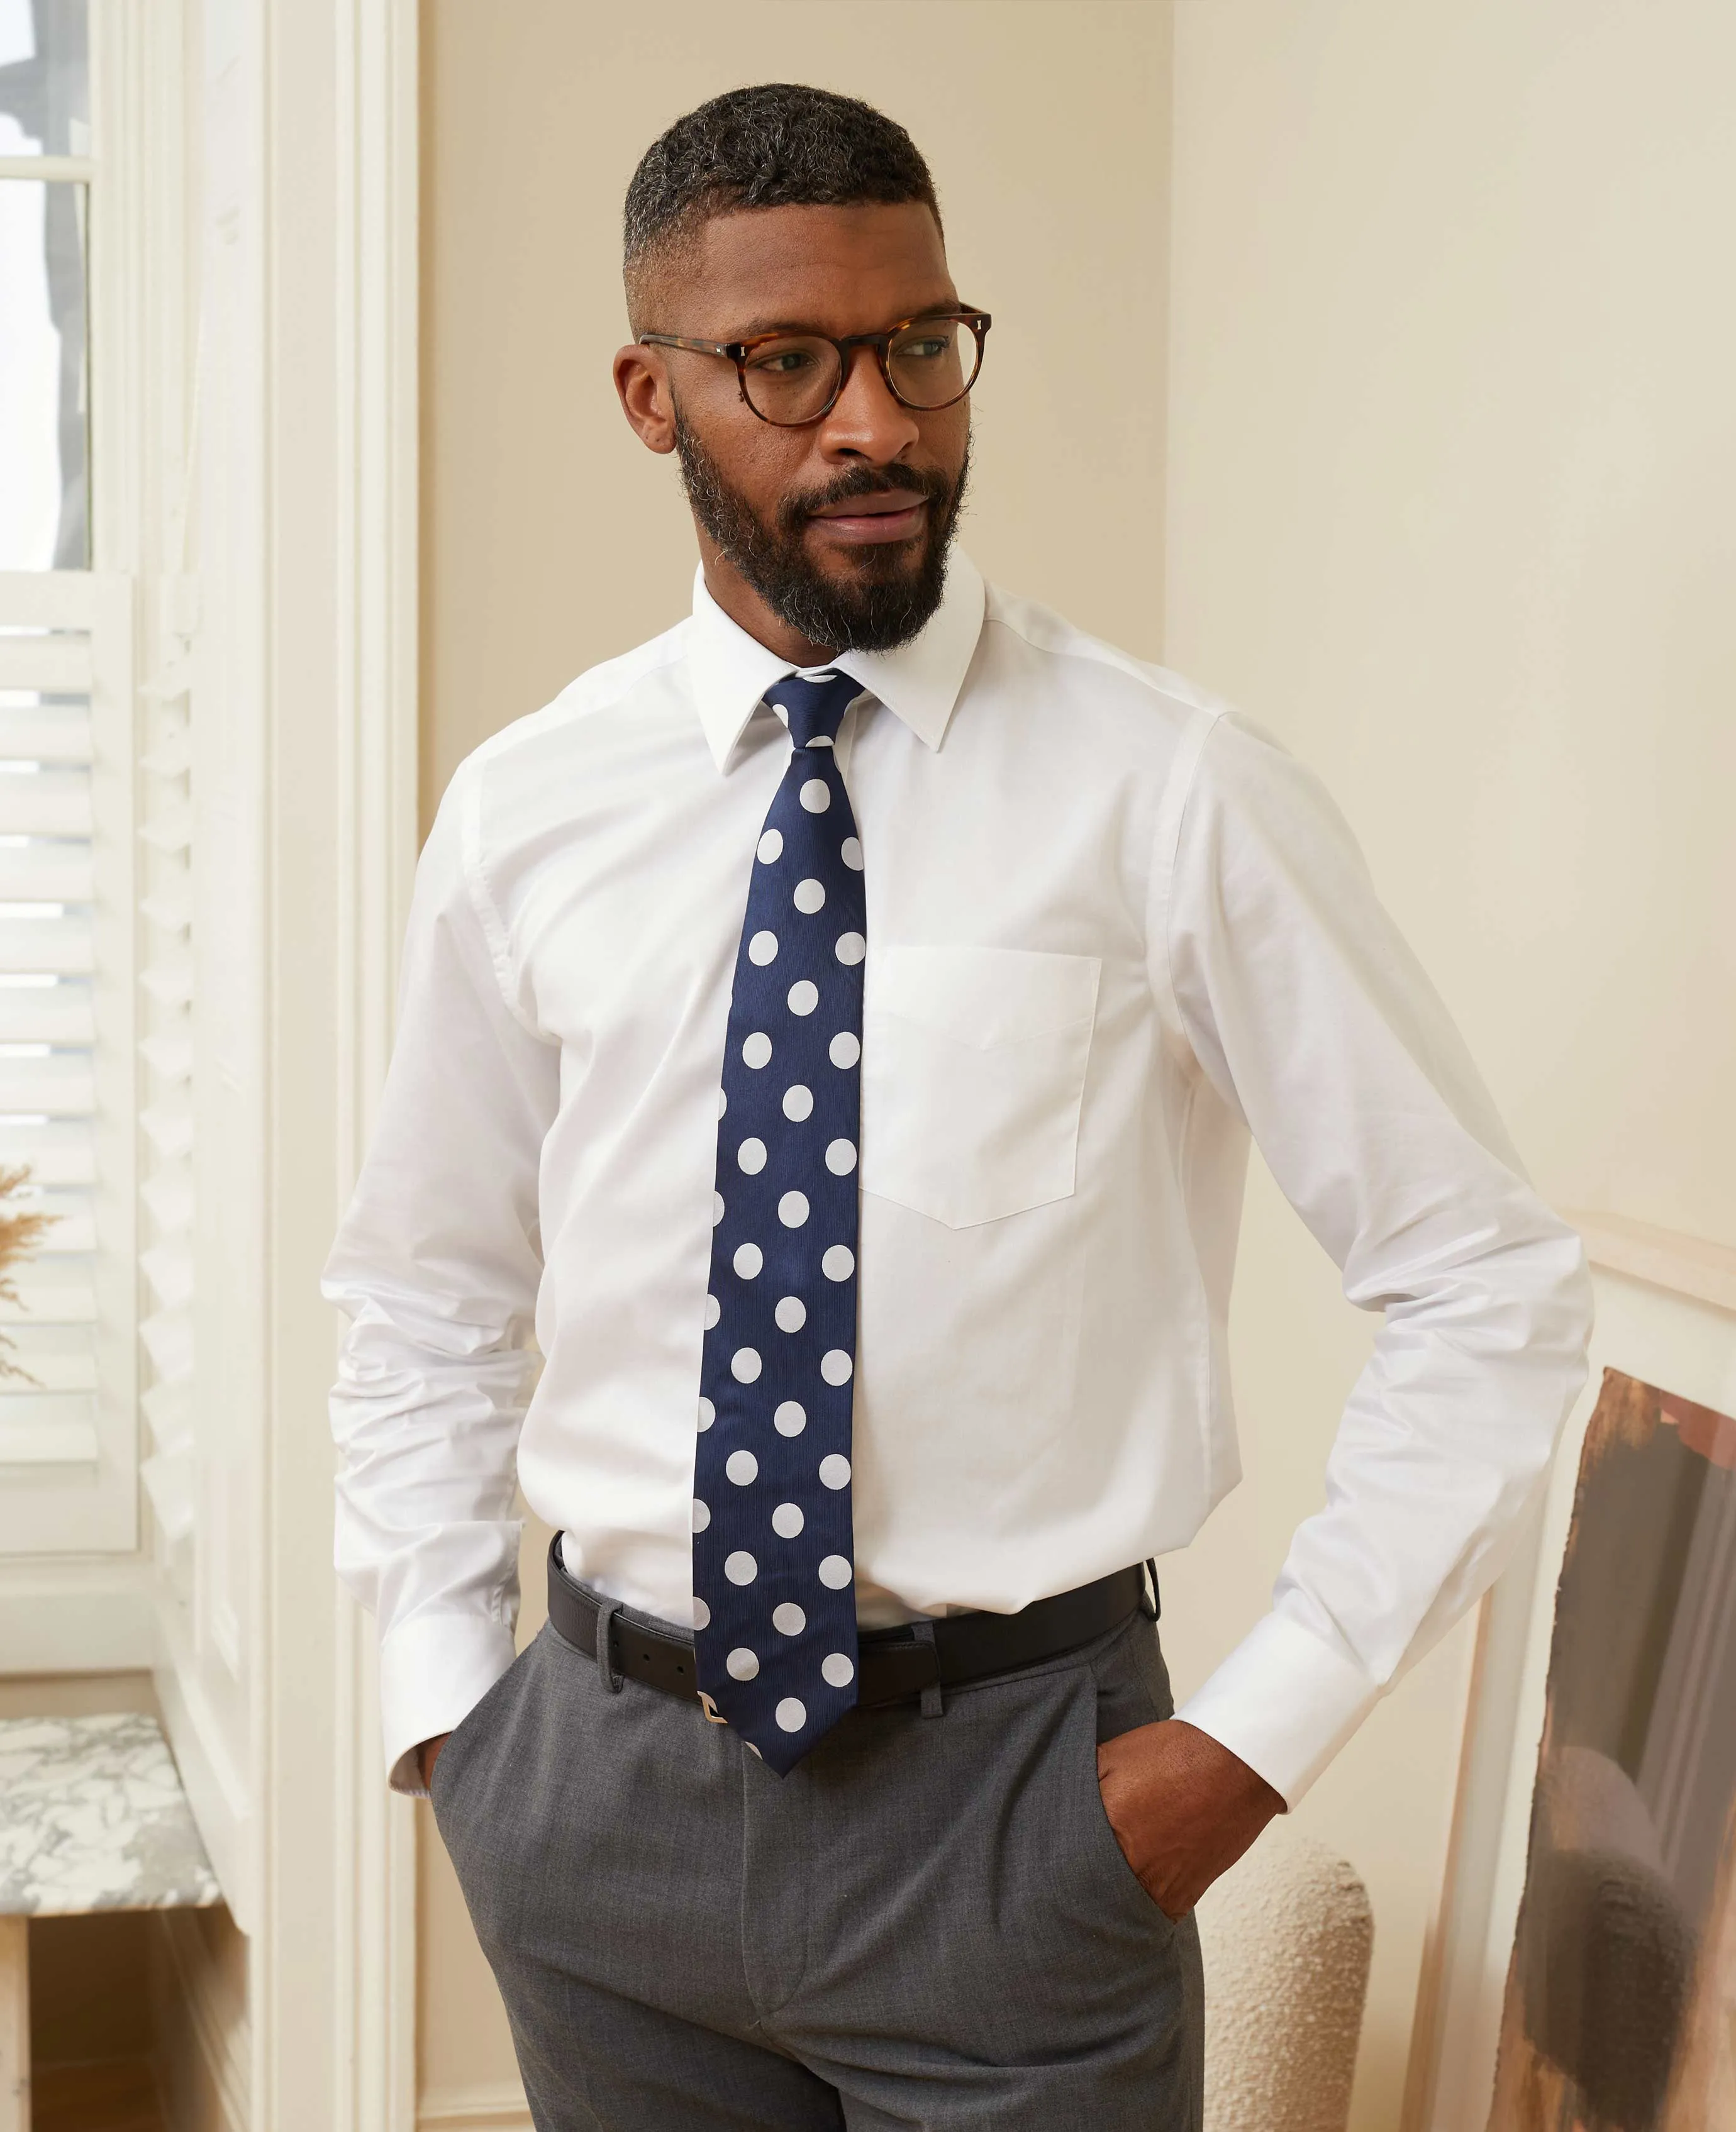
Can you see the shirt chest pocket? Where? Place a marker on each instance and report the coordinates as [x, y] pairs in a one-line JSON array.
[[973, 1070]]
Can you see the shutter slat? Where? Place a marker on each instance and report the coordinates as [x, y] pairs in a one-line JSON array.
[[52, 803], [67, 1370], [69, 1442], [59, 1013], [48, 599], [46, 870], [170, 1056], [170, 980], [168, 1338], [47, 732], [58, 664], [54, 947], [42, 1302], [170, 1198], [53, 1154], [169, 1128], [169, 1411], [59, 1086], [171, 830], [169, 1269], [171, 909], [168, 1477]]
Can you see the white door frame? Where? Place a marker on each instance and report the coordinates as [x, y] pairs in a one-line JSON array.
[[334, 1950], [331, 87]]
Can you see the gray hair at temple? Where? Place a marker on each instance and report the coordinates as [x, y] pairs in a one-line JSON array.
[[777, 145]]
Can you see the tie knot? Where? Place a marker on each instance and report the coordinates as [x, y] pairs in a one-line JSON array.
[[813, 706]]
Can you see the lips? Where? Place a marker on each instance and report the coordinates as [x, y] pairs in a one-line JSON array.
[[893, 513]]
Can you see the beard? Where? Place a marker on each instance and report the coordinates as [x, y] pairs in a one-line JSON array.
[[893, 587]]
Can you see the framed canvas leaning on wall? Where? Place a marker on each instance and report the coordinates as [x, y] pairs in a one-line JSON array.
[[1584, 1977]]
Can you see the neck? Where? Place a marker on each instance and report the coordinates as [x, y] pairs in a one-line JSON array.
[[748, 612]]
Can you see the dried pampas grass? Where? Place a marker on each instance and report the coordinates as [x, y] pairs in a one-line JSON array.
[[21, 1233]]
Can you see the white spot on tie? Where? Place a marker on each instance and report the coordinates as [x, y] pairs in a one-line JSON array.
[[834, 1470], [772, 847], [789, 1620], [717, 1208], [816, 796], [798, 1104], [839, 1263], [714, 1311], [844, 1049], [791, 1314], [763, 949], [743, 1665], [835, 1366], [701, 1613], [757, 1050], [751, 1155], [787, 1520], [701, 1515], [722, 1102], [792, 1713], [803, 998], [748, 1260], [743, 1466], [837, 1670], [708, 1414], [809, 897], [850, 852], [744, 1364], [835, 1572], [851, 949], [840, 1156], [740, 1568], [792, 1209], [791, 1419]]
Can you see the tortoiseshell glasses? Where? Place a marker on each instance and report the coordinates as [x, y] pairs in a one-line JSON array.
[[791, 379]]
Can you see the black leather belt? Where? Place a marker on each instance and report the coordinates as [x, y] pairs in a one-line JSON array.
[[896, 1665]]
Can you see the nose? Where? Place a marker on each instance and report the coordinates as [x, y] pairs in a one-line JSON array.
[[866, 422]]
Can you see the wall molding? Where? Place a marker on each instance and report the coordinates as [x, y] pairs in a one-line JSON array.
[[1664, 1258], [76, 1614], [497, 2107]]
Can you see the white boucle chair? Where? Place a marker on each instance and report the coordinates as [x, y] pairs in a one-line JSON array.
[[1287, 1936]]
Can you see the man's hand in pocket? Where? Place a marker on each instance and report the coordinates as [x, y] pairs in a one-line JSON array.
[[1183, 1808]]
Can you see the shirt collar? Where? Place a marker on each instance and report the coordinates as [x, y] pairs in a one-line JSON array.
[[919, 682]]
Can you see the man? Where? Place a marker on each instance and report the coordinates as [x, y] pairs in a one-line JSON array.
[[836, 1029]]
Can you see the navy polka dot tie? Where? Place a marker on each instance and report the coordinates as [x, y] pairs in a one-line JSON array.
[[774, 1612]]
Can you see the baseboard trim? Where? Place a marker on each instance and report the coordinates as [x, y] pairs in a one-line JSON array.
[[498, 2107]]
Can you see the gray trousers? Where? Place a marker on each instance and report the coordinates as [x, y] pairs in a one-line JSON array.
[[928, 1923]]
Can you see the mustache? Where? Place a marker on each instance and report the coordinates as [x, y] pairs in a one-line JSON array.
[[926, 482]]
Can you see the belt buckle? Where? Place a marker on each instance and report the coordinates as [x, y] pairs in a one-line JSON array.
[[713, 1715]]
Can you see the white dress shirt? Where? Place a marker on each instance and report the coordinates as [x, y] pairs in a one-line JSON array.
[[1112, 930]]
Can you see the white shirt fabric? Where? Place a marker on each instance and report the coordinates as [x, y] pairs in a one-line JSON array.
[[1112, 930]]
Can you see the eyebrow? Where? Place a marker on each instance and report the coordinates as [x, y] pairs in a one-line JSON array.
[[757, 326]]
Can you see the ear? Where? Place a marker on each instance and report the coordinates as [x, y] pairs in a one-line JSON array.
[[641, 380]]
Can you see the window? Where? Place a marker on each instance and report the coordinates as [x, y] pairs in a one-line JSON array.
[[68, 846]]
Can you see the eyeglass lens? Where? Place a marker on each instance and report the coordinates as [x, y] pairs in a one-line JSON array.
[[931, 363]]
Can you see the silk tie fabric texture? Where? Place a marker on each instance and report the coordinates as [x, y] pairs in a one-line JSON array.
[[774, 1610]]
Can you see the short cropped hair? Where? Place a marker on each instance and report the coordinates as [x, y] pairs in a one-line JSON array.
[[777, 145]]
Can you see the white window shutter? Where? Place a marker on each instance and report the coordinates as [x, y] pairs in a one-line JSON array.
[[68, 1445]]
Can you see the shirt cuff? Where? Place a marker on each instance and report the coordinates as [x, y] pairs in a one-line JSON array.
[[1285, 1702], [434, 1669]]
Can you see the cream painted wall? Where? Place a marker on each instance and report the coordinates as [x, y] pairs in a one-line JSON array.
[[1450, 456], [551, 540]]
